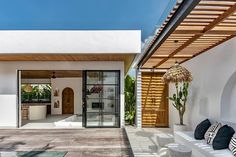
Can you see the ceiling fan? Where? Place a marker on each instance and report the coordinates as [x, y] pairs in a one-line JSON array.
[[54, 75]]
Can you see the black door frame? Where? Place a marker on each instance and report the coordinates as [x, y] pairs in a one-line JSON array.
[[84, 105], [18, 97]]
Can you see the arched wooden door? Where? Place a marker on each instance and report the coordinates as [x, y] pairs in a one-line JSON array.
[[67, 101]]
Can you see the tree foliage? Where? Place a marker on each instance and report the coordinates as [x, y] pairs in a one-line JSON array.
[[40, 93]]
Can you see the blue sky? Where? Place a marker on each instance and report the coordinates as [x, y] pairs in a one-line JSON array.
[[144, 15]]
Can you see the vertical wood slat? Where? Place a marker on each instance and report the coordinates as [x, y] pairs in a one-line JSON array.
[[154, 100]]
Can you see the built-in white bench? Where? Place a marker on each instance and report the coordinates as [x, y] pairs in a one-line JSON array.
[[199, 147]]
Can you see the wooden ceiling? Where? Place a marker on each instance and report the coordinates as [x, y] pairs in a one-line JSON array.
[[47, 74], [127, 58], [209, 24], [64, 57]]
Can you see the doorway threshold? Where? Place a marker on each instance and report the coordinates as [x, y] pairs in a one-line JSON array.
[[68, 122]]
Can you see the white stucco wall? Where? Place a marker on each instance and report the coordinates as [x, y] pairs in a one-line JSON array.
[[70, 41], [211, 71], [8, 83], [61, 83], [8, 114]]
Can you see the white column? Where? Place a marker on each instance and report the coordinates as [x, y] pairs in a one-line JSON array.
[[138, 98], [122, 98]]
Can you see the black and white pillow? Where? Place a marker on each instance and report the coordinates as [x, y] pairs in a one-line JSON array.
[[232, 145], [211, 132]]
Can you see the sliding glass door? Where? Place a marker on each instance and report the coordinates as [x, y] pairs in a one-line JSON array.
[[102, 98]]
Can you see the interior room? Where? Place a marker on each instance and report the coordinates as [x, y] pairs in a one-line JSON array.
[[55, 99], [51, 99]]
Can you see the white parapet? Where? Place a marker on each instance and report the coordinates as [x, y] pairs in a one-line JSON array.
[[79, 42]]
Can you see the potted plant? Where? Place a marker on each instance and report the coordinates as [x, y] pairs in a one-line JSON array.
[[181, 77], [179, 100]]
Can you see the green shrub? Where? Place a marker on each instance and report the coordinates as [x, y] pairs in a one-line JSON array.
[[130, 100]]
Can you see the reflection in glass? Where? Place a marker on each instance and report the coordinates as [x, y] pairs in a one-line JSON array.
[[102, 99]]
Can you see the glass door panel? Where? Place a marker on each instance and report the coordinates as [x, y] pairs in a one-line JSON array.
[[93, 78], [102, 99], [110, 78], [93, 105]]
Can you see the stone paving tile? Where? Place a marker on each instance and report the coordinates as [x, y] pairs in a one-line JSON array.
[[99, 153], [83, 142]]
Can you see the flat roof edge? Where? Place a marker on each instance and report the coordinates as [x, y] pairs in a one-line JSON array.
[[70, 41]]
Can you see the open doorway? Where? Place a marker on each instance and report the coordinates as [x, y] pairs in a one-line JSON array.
[[50, 99]]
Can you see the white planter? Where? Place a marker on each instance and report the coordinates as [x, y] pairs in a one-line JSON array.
[[37, 112], [178, 127]]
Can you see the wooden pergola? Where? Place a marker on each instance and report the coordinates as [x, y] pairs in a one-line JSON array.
[[208, 24]]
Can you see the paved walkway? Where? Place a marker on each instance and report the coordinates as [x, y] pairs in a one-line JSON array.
[[144, 141], [78, 143]]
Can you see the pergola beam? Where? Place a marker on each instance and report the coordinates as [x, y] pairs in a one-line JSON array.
[[175, 57], [226, 39], [208, 28], [217, 32], [178, 50], [221, 18], [184, 9]]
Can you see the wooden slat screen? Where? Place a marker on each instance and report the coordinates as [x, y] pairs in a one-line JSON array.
[[154, 101]]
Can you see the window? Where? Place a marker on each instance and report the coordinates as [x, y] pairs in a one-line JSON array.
[[41, 93]]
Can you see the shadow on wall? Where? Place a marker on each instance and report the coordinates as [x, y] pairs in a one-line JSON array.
[[204, 107], [228, 100], [196, 105]]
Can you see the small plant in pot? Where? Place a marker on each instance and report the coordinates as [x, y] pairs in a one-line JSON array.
[[181, 77]]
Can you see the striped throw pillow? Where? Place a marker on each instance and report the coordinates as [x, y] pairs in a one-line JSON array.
[[232, 145], [211, 132]]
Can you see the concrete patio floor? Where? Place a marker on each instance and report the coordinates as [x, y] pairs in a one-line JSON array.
[[78, 143], [144, 143]]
